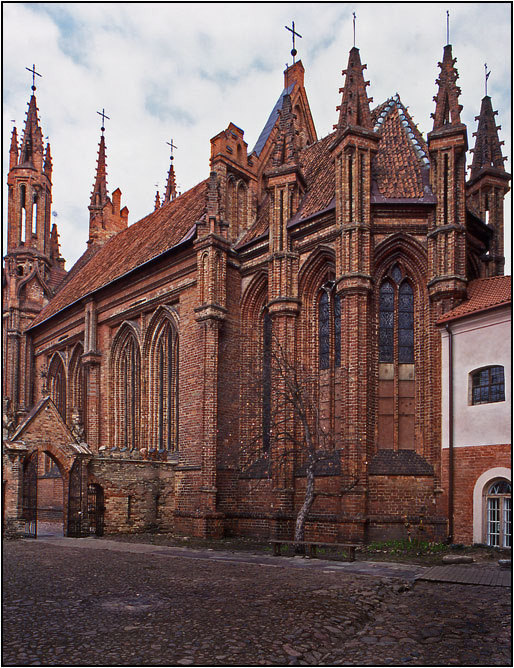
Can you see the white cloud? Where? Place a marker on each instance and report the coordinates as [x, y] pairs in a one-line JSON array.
[[185, 70]]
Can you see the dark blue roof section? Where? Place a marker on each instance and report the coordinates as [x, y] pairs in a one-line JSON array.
[[271, 121]]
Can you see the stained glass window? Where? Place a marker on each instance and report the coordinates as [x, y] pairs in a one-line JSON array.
[[488, 385], [386, 322], [405, 324], [324, 331], [337, 330]]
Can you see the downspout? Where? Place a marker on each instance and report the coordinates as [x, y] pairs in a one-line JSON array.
[[450, 433]]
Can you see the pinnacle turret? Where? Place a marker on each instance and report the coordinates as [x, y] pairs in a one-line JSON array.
[[171, 185], [487, 151], [157, 200], [47, 168], [32, 143], [447, 108], [13, 151], [354, 107], [99, 195]]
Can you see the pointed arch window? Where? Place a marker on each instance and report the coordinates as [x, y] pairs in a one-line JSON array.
[[57, 384], [77, 385], [127, 390], [165, 373], [396, 385], [396, 319], [329, 328]]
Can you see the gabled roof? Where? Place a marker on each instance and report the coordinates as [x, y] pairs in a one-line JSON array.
[[270, 123], [483, 294], [141, 242]]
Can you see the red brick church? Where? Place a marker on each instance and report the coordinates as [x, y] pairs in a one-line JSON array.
[[141, 388]]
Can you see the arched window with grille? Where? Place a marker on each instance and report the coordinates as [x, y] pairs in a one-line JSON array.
[[164, 360], [57, 384], [396, 387], [329, 329], [77, 385], [499, 514], [126, 369]]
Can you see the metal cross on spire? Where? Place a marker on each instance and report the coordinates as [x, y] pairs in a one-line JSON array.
[[486, 77], [354, 17], [172, 145], [294, 34], [104, 116], [34, 74]]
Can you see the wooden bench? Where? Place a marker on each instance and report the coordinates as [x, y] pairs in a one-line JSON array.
[[312, 546]]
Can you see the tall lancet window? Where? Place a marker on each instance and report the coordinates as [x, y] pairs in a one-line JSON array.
[[56, 383], [396, 389], [329, 329], [167, 388], [127, 390]]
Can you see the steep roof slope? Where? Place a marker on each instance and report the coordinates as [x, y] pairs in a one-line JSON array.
[[129, 249], [483, 295]]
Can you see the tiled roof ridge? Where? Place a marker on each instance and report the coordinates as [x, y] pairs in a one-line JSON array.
[[145, 240], [407, 123]]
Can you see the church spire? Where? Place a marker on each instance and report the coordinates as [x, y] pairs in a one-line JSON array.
[[447, 108], [354, 107], [99, 195], [487, 151], [157, 201], [32, 143], [171, 185]]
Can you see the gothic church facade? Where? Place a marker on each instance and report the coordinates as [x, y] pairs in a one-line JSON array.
[[141, 383]]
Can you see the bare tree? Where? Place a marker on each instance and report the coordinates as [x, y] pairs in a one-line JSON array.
[[297, 428]]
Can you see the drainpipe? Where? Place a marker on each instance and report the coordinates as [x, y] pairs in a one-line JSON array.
[[450, 433]]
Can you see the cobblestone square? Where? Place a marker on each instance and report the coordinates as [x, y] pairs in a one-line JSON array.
[[87, 602]]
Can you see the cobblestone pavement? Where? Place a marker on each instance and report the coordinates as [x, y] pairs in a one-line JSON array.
[[74, 605]]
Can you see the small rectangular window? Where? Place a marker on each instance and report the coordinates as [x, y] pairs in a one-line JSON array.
[[487, 385]]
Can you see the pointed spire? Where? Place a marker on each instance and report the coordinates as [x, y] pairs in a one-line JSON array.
[[32, 143], [286, 150], [354, 107], [99, 195], [171, 186], [48, 162], [157, 201], [487, 151], [447, 108], [13, 151]]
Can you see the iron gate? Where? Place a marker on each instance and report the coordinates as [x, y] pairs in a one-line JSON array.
[[77, 523], [29, 504], [95, 509]]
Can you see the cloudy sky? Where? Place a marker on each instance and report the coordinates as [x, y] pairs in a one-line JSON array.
[[184, 71]]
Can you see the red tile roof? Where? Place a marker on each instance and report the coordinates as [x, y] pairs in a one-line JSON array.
[[483, 294], [139, 243]]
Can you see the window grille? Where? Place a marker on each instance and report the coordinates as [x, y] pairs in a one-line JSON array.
[[487, 385], [499, 514]]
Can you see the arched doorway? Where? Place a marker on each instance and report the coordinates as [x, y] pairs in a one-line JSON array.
[[43, 498], [498, 497]]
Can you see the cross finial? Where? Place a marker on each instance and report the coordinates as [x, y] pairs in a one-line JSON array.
[[486, 76], [354, 17], [104, 116], [172, 146], [34, 74], [447, 27], [294, 34]]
